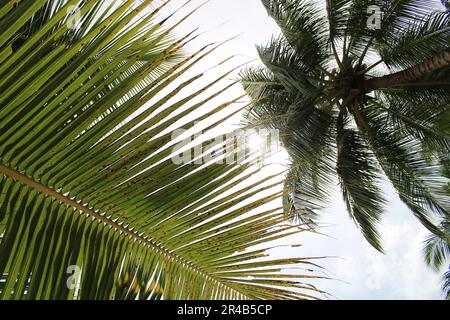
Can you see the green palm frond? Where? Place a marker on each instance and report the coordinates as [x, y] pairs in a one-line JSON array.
[[419, 184], [338, 15], [419, 113], [436, 251], [419, 40], [259, 82], [303, 28], [308, 139], [397, 15], [88, 183], [359, 179]]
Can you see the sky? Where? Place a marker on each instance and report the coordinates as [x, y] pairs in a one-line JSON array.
[[361, 271]]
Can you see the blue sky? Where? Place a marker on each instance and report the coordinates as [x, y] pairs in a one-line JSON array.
[[363, 272]]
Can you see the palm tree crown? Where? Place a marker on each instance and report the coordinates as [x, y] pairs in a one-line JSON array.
[[358, 90]]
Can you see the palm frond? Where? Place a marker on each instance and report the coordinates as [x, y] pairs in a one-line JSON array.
[[395, 16], [303, 28], [308, 140], [259, 82], [420, 114], [437, 250], [89, 186], [418, 183], [359, 178], [338, 15], [419, 40], [293, 70]]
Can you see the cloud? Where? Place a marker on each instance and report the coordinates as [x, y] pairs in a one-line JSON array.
[[367, 274]]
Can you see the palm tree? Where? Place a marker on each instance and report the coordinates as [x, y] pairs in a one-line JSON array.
[[360, 91], [92, 205]]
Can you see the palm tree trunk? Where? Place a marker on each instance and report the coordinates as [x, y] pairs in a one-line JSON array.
[[424, 68]]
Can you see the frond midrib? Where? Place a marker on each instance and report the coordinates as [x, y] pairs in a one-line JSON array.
[[21, 178]]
